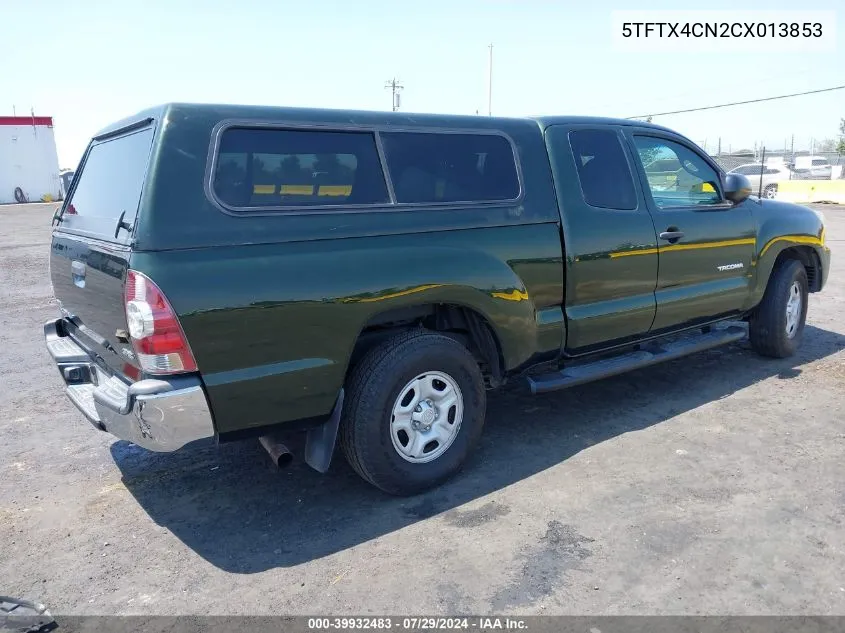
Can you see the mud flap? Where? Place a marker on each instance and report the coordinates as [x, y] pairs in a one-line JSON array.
[[320, 441]]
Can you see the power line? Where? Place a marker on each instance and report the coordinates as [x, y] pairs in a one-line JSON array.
[[736, 103]]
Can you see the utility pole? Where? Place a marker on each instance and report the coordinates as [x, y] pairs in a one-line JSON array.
[[490, 83], [719, 150], [395, 87]]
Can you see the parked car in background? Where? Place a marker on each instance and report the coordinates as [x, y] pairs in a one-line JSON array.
[[66, 177], [815, 167], [764, 179]]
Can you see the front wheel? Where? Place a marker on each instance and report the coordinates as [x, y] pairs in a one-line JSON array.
[[770, 192], [777, 325], [414, 411]]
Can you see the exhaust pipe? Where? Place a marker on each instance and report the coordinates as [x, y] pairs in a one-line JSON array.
[[279, 453]]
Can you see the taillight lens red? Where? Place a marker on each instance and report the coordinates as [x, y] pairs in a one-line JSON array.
[[159, 342]]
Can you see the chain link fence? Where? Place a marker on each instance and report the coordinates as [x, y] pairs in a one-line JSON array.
[[798, 165]]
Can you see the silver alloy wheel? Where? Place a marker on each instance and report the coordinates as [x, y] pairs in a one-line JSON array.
[[793, 309], [770, 192], [426, 417]]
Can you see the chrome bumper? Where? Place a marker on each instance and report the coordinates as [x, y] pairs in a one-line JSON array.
[[159, 415]]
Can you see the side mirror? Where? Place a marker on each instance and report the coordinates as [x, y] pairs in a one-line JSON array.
[[737, 188]]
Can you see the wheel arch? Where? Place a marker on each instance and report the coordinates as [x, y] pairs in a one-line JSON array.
[[776, 250], [808, 258], [466, 324]]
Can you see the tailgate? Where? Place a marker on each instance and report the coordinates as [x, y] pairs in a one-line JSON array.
[[91, 246]]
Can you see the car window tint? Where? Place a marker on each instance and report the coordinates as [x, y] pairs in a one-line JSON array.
[[109, 185], [265, 168], [694, 183], [603, 171], [438, 167]]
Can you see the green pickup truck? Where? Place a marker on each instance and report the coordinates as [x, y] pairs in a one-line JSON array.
[[365, 277]]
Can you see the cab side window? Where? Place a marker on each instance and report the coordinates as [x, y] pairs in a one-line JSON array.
[[677, 176], [603, 171]]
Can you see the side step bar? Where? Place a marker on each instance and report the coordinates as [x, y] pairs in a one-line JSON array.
[[651, 355]]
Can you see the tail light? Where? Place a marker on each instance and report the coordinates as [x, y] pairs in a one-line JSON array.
[[159, 342]]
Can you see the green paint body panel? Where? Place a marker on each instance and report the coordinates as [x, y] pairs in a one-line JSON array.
[[690, 284], [273, 304], [607, 299], [779, 226], [273, 332]]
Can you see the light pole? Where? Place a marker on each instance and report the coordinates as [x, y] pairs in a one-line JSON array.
[[490, 83]]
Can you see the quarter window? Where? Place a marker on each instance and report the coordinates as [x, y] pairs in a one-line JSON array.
[[694, 182], [258, 167], [603, 170], [437, 167]]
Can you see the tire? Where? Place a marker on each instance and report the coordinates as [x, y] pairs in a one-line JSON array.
[[368, 433], [770, 192], [773, 332]]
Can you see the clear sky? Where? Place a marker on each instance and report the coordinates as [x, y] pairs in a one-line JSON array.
[[91, 62]]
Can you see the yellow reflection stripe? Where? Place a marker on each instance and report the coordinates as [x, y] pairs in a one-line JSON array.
[[334, 190], [513, 295], [263, 189], [392, 295], [683, 247], [723, 243], [296, 190], [797, 239], [642, 251]]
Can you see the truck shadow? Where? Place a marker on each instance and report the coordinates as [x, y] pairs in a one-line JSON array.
[[231, 507]]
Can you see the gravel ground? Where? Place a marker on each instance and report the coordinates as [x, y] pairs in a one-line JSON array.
[[713, 484]]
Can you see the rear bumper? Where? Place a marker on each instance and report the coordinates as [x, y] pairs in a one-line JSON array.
[[158, 414]]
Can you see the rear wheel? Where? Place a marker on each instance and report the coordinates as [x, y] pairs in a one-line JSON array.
[[415, 409], [770, 191], [777, 325]]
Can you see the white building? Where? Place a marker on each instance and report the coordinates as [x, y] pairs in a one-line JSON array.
[[29, 163]]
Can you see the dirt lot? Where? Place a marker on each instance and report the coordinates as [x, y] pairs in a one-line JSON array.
[[713, 484]]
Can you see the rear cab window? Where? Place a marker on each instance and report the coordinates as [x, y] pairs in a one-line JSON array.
[[108, 187]]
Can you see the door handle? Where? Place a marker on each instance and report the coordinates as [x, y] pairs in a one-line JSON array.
[[671, 236]]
